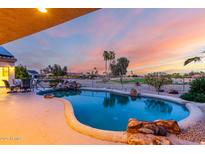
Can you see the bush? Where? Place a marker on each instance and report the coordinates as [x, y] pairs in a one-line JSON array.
[[196, 92], [198, 85], [200, 97], [21, 72], [187, 96], [197, 97]]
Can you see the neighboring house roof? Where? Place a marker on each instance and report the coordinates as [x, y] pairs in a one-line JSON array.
[[5, 53], [6, 56], [32, 72]]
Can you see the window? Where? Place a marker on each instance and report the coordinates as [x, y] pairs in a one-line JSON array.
[[5, 72]]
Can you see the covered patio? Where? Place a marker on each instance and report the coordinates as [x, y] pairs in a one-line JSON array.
[[27, 118]]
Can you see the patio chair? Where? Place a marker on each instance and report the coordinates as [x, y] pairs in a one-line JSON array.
[[12, 88], [26, 85]]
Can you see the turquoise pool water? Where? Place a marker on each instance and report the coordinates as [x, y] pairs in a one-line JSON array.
[[108, 111]]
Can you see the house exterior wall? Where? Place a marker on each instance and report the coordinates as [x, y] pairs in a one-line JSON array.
[[181, 81], [7, 72]]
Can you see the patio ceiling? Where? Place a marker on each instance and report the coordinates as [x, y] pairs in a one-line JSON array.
[[20, 22]]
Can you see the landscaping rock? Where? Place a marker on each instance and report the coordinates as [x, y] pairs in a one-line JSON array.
[[147, 139], [161, 131], [150, 125], [140, 132], [133, 92], [48, 96], [133, 125], [145, 131], [170, 125]]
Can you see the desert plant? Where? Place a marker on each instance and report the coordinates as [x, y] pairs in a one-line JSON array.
[[157, 80]]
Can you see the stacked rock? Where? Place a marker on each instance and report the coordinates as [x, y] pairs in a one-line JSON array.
[[140, 132]]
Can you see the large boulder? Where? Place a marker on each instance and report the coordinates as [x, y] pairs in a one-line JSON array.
[[161, 131], [147, 139], [133, 125], [150, 125], [170, 125], [148, 133], [158, 127], [145, 131], [133, 93]]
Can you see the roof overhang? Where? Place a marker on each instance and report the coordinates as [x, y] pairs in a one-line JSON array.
[[20, 22], [8, 60]]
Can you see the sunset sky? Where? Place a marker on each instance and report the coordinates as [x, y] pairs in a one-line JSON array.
[[152, 39]]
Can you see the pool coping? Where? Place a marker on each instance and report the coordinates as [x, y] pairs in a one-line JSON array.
[[195, 115]]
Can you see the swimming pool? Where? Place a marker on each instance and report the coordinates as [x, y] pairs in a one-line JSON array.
[[110, 111]]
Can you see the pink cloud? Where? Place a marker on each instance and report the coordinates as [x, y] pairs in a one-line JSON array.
[[153, 39], [171, 36]]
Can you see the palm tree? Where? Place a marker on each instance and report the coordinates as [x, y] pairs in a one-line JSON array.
[[194, 59], [111, 58], [94, 73], [106, 58]]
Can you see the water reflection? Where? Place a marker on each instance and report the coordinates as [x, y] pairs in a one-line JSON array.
[[112, 99], [157, 106]]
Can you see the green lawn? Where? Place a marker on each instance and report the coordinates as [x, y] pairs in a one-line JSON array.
[[134, 80]]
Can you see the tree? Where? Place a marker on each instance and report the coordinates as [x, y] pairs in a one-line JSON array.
[[176, 75], [119, 68], [106, 58], [94, 71], [122, 63], [157, 80], [194, 59], [111, 58], [55, 70], [114, 68], [93, 74], [21, 72]]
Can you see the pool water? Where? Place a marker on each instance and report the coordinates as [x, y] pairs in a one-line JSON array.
[[108, 111]]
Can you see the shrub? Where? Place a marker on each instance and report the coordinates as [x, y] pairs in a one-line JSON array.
[[187, 96], [200, 97], [196, 92], [198, 85], [21, 72]]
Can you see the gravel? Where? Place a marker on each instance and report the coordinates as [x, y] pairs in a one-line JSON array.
[[195, 133]]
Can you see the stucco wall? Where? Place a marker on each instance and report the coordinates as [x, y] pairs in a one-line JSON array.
[[11, 72]]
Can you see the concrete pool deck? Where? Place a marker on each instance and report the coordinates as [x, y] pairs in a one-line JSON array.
[[26, 118]]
